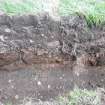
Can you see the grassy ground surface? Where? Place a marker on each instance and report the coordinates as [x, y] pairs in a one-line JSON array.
[[20, 6], [93, 10], [82, 97], [76, 97]]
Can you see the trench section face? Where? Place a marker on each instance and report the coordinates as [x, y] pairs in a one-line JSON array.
[[42, 58]]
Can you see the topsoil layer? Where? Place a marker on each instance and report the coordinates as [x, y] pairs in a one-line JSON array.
[[32, 39]]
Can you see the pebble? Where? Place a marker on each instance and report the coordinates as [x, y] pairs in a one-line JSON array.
[[28, 103], [49, 86], [7, 30], [16, 97], [31, 41], [53, 44], [10, 81], [42, 34], [2, 38], [39, 83]]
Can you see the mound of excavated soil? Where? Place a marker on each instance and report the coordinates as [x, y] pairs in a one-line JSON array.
[[41, 39]]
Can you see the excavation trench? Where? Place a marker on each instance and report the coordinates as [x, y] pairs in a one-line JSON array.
[[42, 58]]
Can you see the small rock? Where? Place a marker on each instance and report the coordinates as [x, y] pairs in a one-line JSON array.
[[42, 34], [41, 52], [10, 81], [49, 86], [39, 83], [2, 38], [7, 30], [53, 44], [28, 103], [16, 96], [1, 13], [1, 103], [31, 41]]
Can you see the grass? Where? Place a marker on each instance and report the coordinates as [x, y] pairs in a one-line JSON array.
[[81, 97], [75, 97], [93, 10], [20, 7]]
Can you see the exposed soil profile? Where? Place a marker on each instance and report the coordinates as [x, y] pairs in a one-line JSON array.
[[72, 52]]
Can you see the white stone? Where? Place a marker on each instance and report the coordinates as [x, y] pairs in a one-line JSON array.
[[28, 103], [39, 83], [2, 38], [1, 13], [10, 81], [1, 103], [31, 41], [49, 86], [42, 34], [7, 30], [16, 97], [53, 44]]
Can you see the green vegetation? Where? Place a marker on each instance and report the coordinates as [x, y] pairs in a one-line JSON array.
[[93, 10], [81, 97], [75, 97], [20, 7], [8, 103]]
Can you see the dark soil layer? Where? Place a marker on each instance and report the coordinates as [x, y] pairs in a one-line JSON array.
[[40, 39]]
